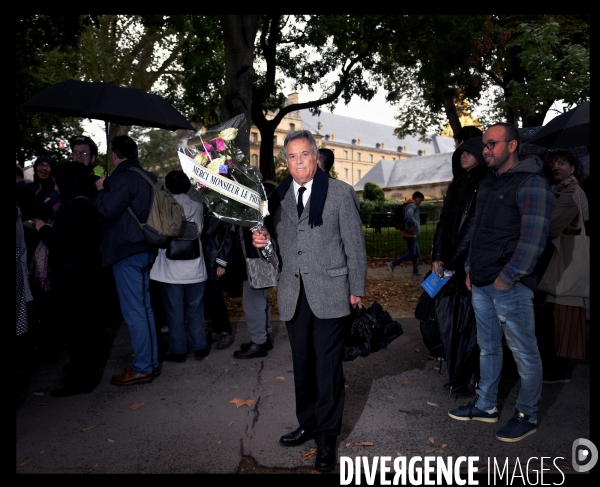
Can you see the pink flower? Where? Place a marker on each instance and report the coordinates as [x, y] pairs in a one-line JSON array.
[[208, 146], [220, 143], [229, 163]]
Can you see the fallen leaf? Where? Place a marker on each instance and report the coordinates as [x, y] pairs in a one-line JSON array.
[[417, 349], [398, 454], [431, 451], [444, 445], [234, 387], [391, 397], [405, 383], [42, 405], [280, 378], [38, 393], [432, 404], [241, 402], [287, 428], [110, 441], [348, 444], [431, 440], [26, 462], [219, 442], [142, 472], [363, 443], [93, 468], [230, 423], [135, 405], [311, 453], [92, 427]]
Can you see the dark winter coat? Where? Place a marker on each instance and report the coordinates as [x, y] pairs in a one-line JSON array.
[[457, 219], [121, 234]]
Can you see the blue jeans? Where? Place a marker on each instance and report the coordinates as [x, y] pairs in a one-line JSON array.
[[510, 313], [132, 277], [413, 253], [188, 299]]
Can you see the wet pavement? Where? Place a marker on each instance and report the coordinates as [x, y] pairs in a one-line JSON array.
[[185, 420]]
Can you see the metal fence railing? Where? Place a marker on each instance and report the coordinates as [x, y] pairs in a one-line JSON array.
[[387, 242]]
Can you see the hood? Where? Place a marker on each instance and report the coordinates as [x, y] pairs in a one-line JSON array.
[[472, 146], [531, 164], [187, 203]]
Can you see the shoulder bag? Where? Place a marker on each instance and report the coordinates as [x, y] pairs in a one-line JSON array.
[[568, 273], [261, 273], [187, 245]]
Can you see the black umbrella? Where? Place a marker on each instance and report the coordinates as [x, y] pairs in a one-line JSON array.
[[108, 102], [571, 129]]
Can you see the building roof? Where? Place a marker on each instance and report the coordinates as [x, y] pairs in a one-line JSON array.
[[436, 168], [345, 129]]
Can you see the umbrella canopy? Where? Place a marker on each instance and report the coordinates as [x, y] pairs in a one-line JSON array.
[[571, 129], [526, 148], [108, 102]]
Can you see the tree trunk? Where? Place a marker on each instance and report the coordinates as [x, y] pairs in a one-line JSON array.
[[239, 32], [452, 114]]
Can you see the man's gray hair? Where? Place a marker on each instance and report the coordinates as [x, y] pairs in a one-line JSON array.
[[300, 134]]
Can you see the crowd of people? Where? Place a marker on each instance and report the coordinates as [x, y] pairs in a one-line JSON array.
[[496, 234]]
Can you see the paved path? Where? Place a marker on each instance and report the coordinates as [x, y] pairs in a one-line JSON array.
[[184, 422]]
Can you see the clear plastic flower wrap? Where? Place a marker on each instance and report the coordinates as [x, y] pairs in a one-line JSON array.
[[224, 178]]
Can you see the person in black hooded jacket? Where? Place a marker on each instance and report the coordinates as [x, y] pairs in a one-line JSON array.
[[450, 249], [74, 258]]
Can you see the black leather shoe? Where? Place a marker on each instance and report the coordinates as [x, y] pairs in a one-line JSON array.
[[254, 351], [201, 354], [326, 457], [296, 438], [268, 343], [176, 357]]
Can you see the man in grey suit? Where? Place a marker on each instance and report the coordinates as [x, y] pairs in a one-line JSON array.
[[316, 228]]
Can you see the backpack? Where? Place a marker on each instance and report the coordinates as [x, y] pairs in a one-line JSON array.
[[399, 216], [164, 218]]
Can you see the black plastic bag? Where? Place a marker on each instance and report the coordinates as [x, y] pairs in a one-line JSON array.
[[369, 330]]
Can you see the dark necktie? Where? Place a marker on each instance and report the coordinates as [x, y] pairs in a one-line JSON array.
[[300, 202]]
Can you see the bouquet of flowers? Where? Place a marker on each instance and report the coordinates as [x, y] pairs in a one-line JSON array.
[[226, 181]]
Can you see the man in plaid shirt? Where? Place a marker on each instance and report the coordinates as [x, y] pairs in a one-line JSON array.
[[514, 203]]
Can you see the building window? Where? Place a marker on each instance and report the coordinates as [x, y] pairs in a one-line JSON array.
[[358, 156], [393, 158], [292, 127], [345, 154], [358, 173], [254, 160], [345, 173], [254, 137], [274, 140], [370, 157]]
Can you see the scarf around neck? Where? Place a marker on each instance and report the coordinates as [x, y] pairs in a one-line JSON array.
[[565, 183], [318, 195]]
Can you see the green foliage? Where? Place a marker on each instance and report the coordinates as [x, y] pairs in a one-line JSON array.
[[157, 149], [281, 168], [373, 192]]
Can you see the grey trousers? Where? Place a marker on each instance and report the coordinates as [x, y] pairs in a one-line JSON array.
[[257, 312]]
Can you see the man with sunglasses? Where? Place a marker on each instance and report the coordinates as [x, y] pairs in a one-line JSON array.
[[85, 150], [512, 220]]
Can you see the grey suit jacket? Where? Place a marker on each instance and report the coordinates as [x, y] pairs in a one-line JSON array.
[[331, 258]]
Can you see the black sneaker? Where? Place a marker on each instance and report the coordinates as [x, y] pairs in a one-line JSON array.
[[517, 428], [224, 341], [470, 413]]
